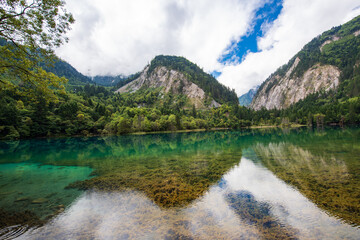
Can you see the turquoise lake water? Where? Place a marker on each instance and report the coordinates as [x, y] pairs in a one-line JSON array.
[[251, 184]]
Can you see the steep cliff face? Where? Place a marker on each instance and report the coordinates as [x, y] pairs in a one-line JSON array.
[[280, 92], [170, 81], [323, 64]]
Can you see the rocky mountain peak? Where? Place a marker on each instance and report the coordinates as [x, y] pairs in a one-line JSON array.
[[170, 80], [323, 64]]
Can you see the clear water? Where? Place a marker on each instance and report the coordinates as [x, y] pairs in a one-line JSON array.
[[258, 184]]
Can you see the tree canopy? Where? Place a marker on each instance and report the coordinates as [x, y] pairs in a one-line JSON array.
[[29, 32]]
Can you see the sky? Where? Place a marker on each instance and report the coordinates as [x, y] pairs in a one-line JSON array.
[[240, 42]]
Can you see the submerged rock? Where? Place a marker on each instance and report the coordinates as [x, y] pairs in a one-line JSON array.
[[39, 201], [21, 199]]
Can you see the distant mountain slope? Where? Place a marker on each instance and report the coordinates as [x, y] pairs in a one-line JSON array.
[[245, 99], [108, 80], [327, 62], [64, 69], [179, 76]]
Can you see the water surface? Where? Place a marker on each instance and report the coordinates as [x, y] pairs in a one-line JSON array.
[[263, 184]]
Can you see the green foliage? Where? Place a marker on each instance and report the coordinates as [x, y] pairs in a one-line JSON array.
[[96, 110], [63, 69], [108, 80], [37, 24], [196, 75], [29, 31]]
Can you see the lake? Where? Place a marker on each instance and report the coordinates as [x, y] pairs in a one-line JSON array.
[[251, 184]]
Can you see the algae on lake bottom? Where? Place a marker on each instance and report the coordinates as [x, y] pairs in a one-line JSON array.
[[173, 182]]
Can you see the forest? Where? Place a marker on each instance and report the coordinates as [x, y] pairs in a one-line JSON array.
[[95, 110]]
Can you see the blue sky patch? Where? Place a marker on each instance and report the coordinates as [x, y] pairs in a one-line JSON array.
[[265, 15], [215, 74]]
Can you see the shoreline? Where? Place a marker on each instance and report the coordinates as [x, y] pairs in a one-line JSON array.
[[178, 131], [164, 132], [279, 126]]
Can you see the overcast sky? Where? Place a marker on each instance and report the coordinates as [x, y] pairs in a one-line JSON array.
[[241, 42]]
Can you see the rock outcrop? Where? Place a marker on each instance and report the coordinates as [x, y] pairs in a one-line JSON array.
[[170, 81], [280, 92]]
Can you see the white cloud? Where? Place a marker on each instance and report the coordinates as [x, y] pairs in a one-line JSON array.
[[298, 23], [122, 36], [113, 37]]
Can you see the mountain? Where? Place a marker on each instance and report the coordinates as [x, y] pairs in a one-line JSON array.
[[179, 76], [61, 69], [245, 99], [108, 81], [64, 69], [330, 62]]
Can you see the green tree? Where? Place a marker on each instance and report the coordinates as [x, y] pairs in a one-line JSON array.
[[29, 32], [193, 112]]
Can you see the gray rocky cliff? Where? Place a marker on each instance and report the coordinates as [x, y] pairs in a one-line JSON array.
[[280, 92], [169, 80]]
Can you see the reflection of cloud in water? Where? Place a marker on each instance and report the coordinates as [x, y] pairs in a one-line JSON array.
[[287, 204], [132, 215]]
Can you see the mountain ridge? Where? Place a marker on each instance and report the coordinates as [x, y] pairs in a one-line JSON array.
[[179, 76], [62, 68], [325, 63]]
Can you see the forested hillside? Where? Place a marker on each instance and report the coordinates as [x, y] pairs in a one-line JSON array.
[[64, 69], [333, 57], [108, 81], [96, 110], [208, 83]]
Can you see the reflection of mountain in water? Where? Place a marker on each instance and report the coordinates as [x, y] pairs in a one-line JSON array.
[[259, 214], [322, 177], [250, 202]]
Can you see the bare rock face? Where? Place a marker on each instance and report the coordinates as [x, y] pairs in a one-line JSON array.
[[169, 80], [280, 92], [334, 38]]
